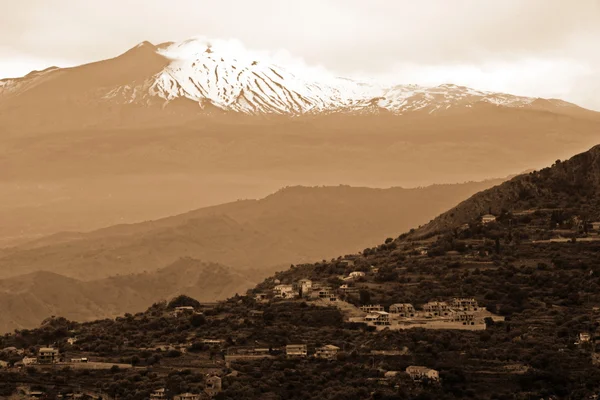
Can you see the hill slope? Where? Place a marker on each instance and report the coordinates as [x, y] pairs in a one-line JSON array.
[[574, 183], [533, 307], [29, 299], [296, 224]]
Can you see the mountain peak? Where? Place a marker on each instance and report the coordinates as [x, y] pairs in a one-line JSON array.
[[226, 75]]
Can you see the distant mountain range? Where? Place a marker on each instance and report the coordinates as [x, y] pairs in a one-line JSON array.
[[225, 76], [296, 224], [120, 269], [163, 129], [29, 299]]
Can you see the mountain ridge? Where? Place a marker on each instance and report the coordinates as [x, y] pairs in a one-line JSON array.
[[224, 75], [29, 299], [296, 224], [577, 177]]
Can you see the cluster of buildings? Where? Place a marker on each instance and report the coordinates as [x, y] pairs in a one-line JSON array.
[[213, 386], [304, 288], [459, 310], [327, 352], [417, 373], [307, 289]]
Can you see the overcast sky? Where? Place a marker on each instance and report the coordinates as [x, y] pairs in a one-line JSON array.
[[546, 48]]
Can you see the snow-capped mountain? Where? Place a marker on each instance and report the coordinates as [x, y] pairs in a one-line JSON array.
[[225, 75]]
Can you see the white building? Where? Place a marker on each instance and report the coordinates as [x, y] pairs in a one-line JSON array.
[[378, 318], [29, 360], [327, 352], [356, 274], [465, 304], [583, 337], [296, 350], [372, 308], [402, 310], [437, 308], [284, 291], [158, 394], [418, 373], [47, 355], [187, 396], [304, 287], [213, 385], [487, 218]]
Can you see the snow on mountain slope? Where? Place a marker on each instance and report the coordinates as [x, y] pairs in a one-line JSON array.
[[226, 75]]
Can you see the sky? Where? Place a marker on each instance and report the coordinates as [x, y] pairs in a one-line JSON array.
[[545, 48]]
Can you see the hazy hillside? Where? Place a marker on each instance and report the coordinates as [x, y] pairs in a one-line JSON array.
[[533, 307], [571, 184], [296, 224], [113, 142], [29, 299]]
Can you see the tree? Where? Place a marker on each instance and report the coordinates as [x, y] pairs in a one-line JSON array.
[[365, 297], [183, 301], [197, 320]]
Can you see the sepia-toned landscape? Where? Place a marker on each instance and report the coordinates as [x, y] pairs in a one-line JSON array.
[[196, 218]]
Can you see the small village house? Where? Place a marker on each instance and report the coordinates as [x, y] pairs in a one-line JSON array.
[[261, 297], [158, 394], [256, 313], [372, 308], [183, 310], [464, 317], [595, 225], [326, 293], [304, 287], [327, 352], [356, 274], [422, 250], [437, 308], [378, 318], [583, 337], [464, 227], [3, 364], [405, 310], [29, 360], [47, 355], [346, 262], [488, 218], [284, 291], [391, 374], [211, 342], [466, 304], [71, 341], [187, 396], [419, 373], [296, 350], [213, 385]]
